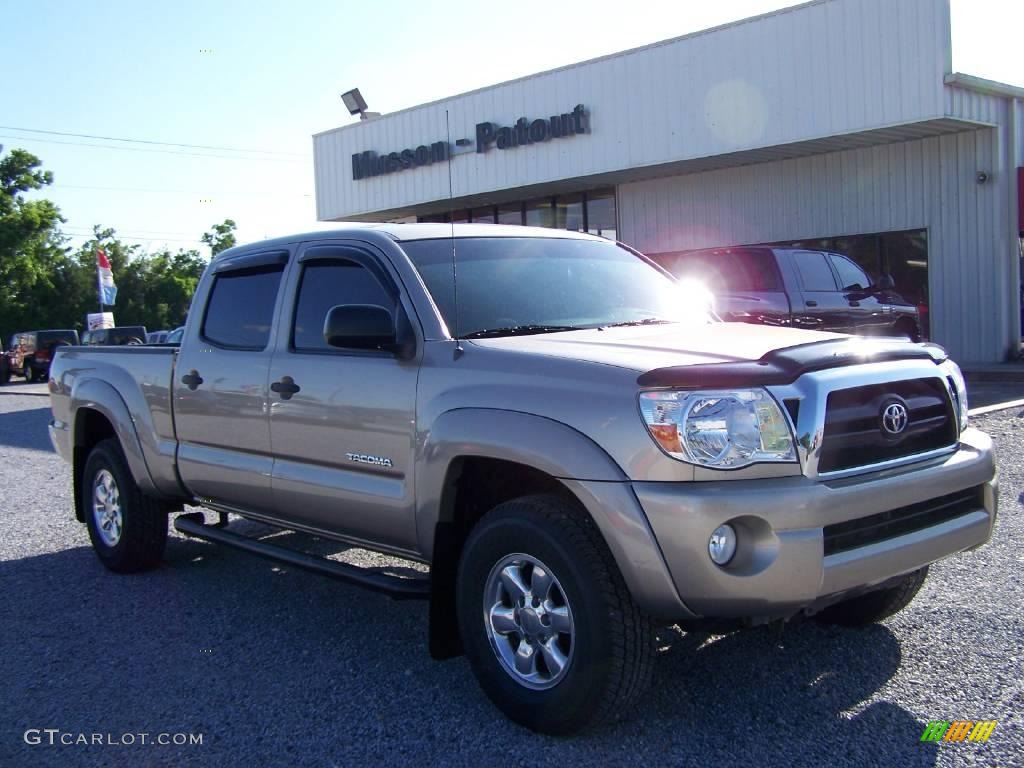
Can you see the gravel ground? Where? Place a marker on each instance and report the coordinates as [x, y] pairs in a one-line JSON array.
[[276, 667]]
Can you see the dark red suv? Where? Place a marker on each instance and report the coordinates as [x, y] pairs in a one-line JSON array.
[[30, 352]]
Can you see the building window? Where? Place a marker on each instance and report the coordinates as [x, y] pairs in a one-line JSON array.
[[483, 215], [569, 213], [510, 213], [540, 213], [601, 214], [592, 212]]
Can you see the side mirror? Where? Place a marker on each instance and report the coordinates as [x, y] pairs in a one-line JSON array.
[[361, 326]]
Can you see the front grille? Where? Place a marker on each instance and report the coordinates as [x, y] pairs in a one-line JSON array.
[[841, 537], [854, 436]]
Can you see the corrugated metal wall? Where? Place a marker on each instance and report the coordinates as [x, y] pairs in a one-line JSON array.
[[821, 69], [930, 183]]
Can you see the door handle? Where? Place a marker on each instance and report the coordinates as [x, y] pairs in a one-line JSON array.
[[286, 387], [811, 303], [192, 379], [854, 303]]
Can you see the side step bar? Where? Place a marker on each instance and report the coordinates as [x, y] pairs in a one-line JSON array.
[[193, 524]]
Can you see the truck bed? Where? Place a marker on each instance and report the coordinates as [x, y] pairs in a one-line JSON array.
[[141, 376]]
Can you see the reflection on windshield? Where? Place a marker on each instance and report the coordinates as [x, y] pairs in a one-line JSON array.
[[516, 285]]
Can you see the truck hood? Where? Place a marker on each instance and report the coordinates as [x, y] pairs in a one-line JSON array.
[[643, 348]]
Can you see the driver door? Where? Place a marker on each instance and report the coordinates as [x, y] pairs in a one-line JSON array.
[[342, 421]]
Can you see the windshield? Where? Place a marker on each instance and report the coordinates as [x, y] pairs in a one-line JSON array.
[[535, 285]]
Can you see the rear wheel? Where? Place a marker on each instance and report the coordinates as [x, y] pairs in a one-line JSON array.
[[128, 530], [29, 371], [874, 606], [547, 622]]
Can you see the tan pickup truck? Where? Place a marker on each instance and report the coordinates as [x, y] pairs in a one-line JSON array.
[[566, 435]]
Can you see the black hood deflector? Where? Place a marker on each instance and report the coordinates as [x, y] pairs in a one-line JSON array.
[[784, 366]]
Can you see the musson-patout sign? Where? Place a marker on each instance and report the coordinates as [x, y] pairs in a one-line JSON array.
[[369, 163]]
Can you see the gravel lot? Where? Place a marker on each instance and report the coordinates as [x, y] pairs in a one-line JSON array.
[[277, 667]]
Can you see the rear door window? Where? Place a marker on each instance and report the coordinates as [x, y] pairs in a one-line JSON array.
[[240, 310], [815, 273]]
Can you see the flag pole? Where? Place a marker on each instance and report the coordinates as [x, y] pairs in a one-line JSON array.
[[99, 281]]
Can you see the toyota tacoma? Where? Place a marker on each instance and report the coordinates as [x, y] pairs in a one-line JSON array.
[[565, 437]]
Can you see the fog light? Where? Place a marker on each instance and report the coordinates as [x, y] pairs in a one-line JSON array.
[[722, 544]]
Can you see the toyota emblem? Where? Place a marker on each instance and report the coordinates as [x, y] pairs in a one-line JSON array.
[[894, 418]]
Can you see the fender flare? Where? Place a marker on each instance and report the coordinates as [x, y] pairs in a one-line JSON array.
[[100, 396], [597, 482], [490, 433]]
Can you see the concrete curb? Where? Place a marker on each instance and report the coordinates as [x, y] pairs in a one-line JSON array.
[[997, 407]]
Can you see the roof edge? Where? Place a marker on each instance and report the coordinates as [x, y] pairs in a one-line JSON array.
[[657, 44], [982, 85]]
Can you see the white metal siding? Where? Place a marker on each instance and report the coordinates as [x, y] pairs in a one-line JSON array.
[[929, 183], [825, 68]]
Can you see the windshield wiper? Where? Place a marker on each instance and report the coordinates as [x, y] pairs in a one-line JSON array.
[[519, 330], [645, 321]]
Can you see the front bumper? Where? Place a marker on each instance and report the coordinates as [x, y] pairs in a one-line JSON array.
[[780, 567]]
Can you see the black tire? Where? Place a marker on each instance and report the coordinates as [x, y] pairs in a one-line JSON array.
[[612, 647], [143, 532], [29, 371], [5, 375], [908, 329], [874, 606]]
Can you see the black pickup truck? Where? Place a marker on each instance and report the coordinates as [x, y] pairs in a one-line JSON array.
[[813, 290]]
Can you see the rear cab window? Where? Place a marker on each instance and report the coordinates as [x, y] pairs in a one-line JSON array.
[[748, 270]]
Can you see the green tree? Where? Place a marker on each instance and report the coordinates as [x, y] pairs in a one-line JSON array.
[[154, 290], [31, 245], [44, 284], [221, 237]]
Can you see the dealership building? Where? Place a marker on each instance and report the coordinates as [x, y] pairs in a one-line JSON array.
[[833, 125]]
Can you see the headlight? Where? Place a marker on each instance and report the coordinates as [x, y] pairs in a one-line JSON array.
[[720, 428], [959, 389]]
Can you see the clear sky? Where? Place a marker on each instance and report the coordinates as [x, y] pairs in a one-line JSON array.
[[266, 76]]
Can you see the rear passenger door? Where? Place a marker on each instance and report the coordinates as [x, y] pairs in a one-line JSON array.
[[220, 387], [343, 432], [820, 306]]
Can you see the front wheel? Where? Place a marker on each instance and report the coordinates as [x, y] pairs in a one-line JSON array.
[[128, 530], [874, 606], [550, 629], [29, 371]]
